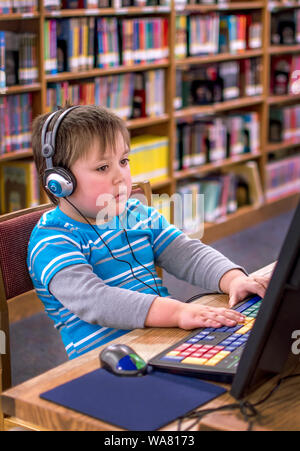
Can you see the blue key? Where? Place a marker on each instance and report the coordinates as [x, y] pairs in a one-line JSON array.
[[222, 329], [172, 358], [238, 343], [233, 329], [192, 340], [231, 338], [248, 304], [225, 343], [230, 348]]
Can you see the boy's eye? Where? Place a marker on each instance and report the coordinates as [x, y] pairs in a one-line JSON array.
[[125, 161], [102, 168]]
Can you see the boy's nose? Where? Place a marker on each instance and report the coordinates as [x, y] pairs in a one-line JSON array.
[[118, 176]]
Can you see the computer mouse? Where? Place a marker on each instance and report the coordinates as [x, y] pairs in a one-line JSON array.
[[121, 360]]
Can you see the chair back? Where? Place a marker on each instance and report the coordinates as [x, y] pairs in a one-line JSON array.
[[15, 231], [142, 188]]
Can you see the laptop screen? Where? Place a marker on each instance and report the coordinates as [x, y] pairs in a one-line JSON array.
[[275, 329]]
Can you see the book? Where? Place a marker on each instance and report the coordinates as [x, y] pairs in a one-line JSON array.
[[2, 60], [282, 177], [149, 158], [15, 122], [230, 72], [249, 172], [19, 186]]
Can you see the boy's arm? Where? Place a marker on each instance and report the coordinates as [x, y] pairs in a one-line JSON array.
[[191, 260], [80, 290]]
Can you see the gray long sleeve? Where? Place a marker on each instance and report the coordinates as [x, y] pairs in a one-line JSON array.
[[194, 262], [82, 292]]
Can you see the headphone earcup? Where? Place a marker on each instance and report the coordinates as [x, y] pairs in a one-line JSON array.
[[59, 181]]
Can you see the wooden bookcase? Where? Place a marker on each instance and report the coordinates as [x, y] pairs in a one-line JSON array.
[[166, 124]]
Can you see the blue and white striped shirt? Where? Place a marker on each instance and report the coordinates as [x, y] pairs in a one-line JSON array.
[[58, 241]]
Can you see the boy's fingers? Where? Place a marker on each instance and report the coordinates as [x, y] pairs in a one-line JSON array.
[[233, 300], [262, 281]]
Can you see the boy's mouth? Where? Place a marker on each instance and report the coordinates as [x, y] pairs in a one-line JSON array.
[[120, 196]]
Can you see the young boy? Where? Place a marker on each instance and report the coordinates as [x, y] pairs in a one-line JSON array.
[[96, 277]]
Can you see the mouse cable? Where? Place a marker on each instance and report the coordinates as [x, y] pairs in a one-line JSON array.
[[247, 409], [197, 296], [116, 258]]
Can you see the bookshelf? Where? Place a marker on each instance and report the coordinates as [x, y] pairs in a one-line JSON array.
[[165, 124]]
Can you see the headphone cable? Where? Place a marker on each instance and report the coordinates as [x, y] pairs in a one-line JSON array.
[[116, 258]]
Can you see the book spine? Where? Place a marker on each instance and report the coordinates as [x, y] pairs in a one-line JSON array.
[[2, 60]]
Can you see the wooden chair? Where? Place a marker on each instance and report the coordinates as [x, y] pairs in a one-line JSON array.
[[17, 297]]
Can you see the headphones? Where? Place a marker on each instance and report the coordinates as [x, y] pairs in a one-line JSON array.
[[57, 180]]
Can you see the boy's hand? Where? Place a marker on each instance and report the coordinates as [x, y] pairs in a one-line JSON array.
[[167, 312], [192, 316], [241, 287]]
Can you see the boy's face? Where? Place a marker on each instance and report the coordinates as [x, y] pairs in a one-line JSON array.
[[103, 180]]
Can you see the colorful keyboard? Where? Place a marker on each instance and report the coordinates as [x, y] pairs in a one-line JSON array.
[[211, 353]]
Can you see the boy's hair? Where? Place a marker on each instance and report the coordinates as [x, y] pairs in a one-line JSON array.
[[75, 136]]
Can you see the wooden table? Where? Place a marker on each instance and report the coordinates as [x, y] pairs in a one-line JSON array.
[[23, 401]]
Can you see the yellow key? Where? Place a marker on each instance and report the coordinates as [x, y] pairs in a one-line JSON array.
[[212, 362], [193, 361], [244, 330], [173, 353]]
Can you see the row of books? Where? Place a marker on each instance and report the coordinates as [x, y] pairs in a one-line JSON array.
[[130, 95], [15, 122], [285, 27], [213, 197], [51, 5], [18, 58], [282, 177], [83, 43], [19, 186], [285, 124], [285, 74], [17, 6], [214, 140], [208, 84], [202, 2], [149, 158], [213, 33]]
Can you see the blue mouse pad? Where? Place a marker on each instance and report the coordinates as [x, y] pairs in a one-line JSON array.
[[144, 403]]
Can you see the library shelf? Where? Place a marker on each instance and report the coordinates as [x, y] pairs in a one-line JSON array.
[[227, 105], [289, 98], [64, 76], [19, 89], [161, 184], [127, 11], [277, 5], [247, 216], [294, 192], [218, 57], [227, 162], [276, 147], [147, 121], [19, 16], [228, 6], [26, 153], [284, 49]]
